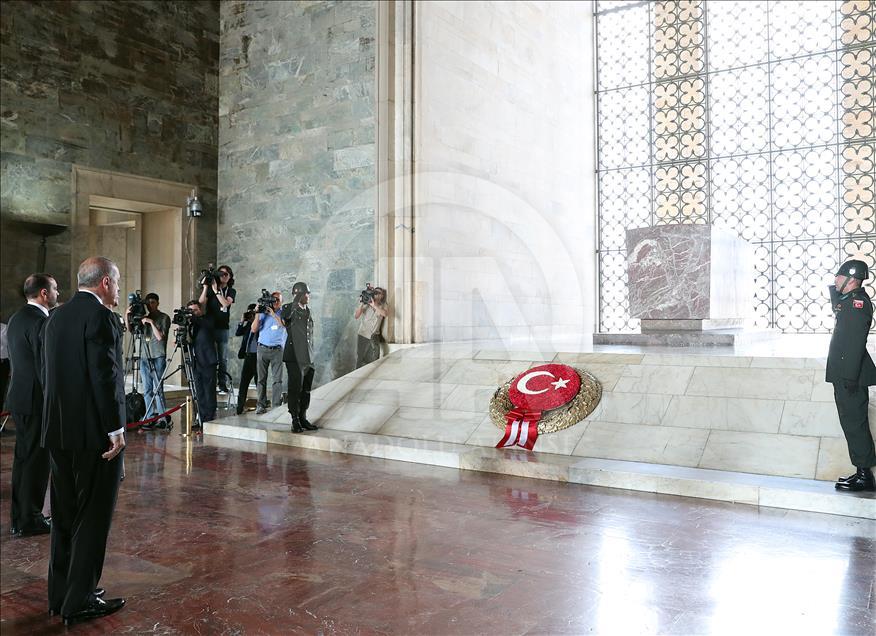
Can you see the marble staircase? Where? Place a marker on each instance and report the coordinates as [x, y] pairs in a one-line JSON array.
[[731, 425]]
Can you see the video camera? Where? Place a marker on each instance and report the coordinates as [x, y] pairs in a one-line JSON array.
[[367, 294], [138, 311], [182, 316], [208, 276], [265, 302]]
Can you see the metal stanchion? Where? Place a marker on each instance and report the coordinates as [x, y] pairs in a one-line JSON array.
[[189, 455], [188, 428]]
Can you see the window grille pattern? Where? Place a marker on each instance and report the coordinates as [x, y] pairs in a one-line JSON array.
[[754, 115]]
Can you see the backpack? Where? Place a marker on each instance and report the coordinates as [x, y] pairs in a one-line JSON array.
[[135, 407]]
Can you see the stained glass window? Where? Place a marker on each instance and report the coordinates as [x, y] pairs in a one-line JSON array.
[[753, 115]]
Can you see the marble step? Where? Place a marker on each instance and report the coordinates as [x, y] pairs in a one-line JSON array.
[[711, 338], [745, 488]]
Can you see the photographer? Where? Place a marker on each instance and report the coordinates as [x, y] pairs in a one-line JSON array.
[[271, 338], [202, 332], [298, 356], [153, 355], [217, 296], [371, 311], [248, 352]]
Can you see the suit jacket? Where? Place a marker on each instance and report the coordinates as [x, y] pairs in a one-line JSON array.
[[204, 341], [84, 376], [299, 335], [23, 333], [848, 360]]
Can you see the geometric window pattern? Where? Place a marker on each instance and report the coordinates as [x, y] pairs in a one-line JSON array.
[[758, 116]]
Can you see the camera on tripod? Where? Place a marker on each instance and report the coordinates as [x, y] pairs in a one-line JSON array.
[[265, 302], [138, 311], [182, 316], [208, 276]]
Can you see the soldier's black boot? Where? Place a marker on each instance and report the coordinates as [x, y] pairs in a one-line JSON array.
[[860, 481], [841, 480], [307, 426], [296, 425]]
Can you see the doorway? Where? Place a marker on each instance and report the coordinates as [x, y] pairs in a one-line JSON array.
[[139, 223]]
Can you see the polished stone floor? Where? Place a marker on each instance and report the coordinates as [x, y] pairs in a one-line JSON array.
[[228, 537]]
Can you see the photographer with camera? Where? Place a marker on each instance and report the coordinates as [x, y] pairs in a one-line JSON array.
[[217, 296], [298, 356], [371, 311], [248, 352], [202, 333], [269, 327], [143, 317]]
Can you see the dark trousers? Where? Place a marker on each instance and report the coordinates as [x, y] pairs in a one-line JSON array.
[[205, 377], [300, 382], [367, 350], [247, 373], [30, 471], [851, 406], [84, 491], [4, 380]]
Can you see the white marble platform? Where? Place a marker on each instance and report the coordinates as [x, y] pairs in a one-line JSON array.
[[706, 418]]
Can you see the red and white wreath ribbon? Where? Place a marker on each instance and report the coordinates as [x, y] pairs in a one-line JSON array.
[[532, 393], [521, 429]]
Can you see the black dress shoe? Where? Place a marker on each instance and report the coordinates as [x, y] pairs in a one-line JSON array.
[[98, 592], [849, 478], [40, 525], [13, 530], [859, 482], [307, 426], [296, 425], [95, 609]]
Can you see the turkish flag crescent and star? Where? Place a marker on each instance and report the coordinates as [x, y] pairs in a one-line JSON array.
[[533, 392]]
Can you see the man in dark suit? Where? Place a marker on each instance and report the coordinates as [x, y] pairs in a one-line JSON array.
[[206, 361], [30, 465], [298, 356], [84, 432]]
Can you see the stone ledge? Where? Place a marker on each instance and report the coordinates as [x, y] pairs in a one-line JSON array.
[[760, 490], [678, 338]]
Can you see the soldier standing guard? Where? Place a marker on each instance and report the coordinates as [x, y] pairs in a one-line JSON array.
[[298, 356], [851, 370]]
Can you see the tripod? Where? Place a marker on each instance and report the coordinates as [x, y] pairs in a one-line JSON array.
[[135, 358], [186, 365]]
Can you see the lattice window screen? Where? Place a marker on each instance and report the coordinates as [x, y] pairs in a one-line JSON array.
[[757, 116]]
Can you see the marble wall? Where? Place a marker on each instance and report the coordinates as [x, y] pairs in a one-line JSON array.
[[297, 159], [129, 87], [504, 188]]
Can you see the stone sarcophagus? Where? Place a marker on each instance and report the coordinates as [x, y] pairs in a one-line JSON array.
[[689, 277]]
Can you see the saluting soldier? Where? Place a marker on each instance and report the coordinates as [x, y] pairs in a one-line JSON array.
[[851, 370], [298, 356]]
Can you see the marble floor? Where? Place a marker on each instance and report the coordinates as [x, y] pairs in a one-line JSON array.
[[222, 536]]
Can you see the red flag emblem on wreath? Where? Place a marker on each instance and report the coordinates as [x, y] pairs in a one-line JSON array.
[[533, 393]]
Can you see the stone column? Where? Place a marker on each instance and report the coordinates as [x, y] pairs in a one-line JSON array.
[[395, 222]]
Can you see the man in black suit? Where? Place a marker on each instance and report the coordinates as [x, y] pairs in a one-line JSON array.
[[30, 465], [206, 361], [84, 432], [298, 356]]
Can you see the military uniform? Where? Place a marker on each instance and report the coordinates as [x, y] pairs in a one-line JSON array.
[[298, 356], [851, 370]]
